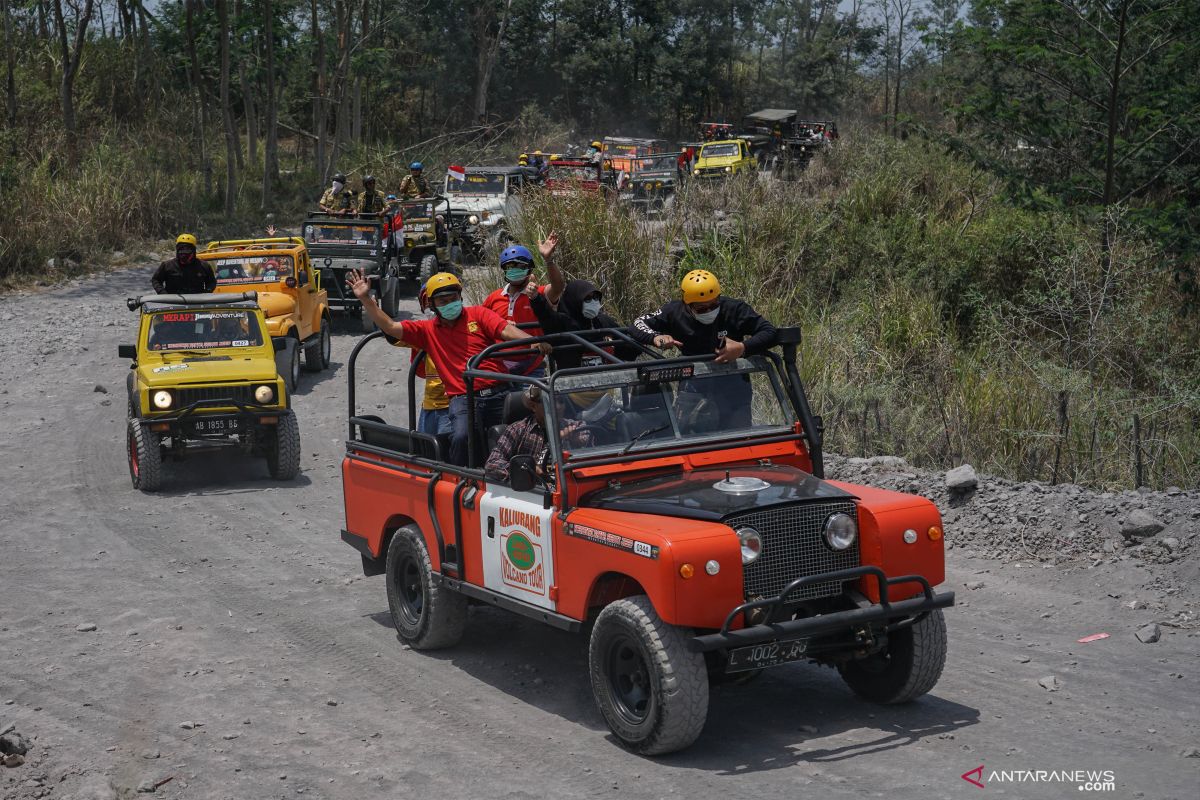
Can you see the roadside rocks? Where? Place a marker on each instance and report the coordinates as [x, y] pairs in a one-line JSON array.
[[1140, 525], [13, 747], [1050, 683], [961, 480], [86, 627], [1149, 634]]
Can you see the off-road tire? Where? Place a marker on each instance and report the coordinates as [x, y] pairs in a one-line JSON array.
[[368, 324], [390, 302], [144, 455], [287, 363], [427, 615], [908, 667], [429, 265], [282, 448], [316, 352], [651, 689]]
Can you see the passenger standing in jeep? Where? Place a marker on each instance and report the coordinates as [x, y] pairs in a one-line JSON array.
[[450, 339]]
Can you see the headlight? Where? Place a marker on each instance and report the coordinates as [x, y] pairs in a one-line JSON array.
[[751, 542], [696, 171], [840, 531], [729, 169], [162, 399], [264, 393], [474, 220]]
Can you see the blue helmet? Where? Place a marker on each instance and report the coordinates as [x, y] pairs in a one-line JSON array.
[[416, 165], [516, 252]]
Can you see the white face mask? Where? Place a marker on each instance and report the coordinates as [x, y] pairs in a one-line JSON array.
[[338, 186], [591, 309], [708, 317]]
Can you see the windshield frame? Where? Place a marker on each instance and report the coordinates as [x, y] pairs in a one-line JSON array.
[[491, 176], [709, 150], [149, 323]]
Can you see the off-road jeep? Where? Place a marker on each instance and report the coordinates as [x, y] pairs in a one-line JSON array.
[[566, 176], [654, 181], [679, 505], [289, 293], [724, 159], [203, 378], [339, 244], [425, 242], [485, 202]]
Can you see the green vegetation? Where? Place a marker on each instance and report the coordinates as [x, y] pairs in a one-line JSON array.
[[941, 322]]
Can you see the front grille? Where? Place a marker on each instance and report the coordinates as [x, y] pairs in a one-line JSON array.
[[793, 547], [712, 171], [244, 394]]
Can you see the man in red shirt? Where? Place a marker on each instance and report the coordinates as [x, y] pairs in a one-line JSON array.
[[450, 338], [512, 301]]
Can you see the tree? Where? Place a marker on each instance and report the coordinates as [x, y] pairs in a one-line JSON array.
[[231, 143], [271, 145], [72, 35], [489, 20]]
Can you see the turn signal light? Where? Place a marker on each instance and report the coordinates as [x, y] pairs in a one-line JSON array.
[[935, 533], [686, 571]]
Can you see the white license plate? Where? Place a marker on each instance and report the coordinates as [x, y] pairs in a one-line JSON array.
[[215, 425], [768, 654]]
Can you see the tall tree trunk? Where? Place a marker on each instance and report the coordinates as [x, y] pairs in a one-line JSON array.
[[896, 88], [319, 87], [231, 144], [70, 52], [271, 145], [44, 35], [199, 107], [10, 59], [250, 109], [341, 130], [487, 49]]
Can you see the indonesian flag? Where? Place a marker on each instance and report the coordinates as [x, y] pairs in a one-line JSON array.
[[456, 173]]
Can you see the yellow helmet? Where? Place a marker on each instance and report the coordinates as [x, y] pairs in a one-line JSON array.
[[537, 152], [523, 160], [185, 238], [440, 282], [700, 286], [597, 145]]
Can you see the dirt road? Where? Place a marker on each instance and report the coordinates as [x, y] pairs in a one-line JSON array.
[[239, 653]]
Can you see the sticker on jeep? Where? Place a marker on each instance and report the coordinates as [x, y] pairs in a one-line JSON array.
[[169, 368], [611, 540]]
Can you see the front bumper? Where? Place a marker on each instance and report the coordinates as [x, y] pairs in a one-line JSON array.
[[902, 612], [250, 415]]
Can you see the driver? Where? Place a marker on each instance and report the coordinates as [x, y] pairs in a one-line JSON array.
[[337, 200], [414, 183], [527, 436], [705, 322], [370, 200], [594, 151], [184, 274]]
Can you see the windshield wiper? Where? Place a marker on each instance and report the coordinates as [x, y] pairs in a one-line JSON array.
[[185, 352], [643, 435]]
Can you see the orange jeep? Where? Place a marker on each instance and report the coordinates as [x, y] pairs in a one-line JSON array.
[[698, 536]]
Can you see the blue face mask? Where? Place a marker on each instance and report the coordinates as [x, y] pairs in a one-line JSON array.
[[451, 311], [516, 274]]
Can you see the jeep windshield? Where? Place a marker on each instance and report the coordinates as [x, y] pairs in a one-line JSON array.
[[236, 270], [718, 150], [352, 234], [476, 183], [649, 405], [203, 330], [623, 149], [419, 209], [572, 172]]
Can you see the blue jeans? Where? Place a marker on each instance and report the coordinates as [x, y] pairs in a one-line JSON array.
[[488, 411], [435, 422]]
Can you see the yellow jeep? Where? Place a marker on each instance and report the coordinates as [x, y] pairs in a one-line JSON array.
[[724, 158], [204, 378], [289, 293]]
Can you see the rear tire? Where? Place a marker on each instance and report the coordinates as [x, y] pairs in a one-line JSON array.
[[316, 352], [651, 689], [368, 324], [145, 457], [429, 265], [907, 668], [283, 448], [427, 616]]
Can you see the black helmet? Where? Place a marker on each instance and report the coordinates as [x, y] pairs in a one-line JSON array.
[[368, 179], [340, 177]]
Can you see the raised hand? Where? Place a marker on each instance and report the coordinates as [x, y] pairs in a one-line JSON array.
[[548, 245], [357, 283]]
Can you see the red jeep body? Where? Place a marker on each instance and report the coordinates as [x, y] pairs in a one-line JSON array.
[[639, 520]]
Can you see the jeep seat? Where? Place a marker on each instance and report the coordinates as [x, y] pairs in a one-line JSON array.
[[514, 410]]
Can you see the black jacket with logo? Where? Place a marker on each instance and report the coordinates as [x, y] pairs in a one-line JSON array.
[[171, 277], [736, 320]]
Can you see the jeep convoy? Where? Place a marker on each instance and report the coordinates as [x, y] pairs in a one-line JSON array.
[[694, 550]]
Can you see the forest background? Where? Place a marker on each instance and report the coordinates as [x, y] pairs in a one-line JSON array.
[[997, 263]]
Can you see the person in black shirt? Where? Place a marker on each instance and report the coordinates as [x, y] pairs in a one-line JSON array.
[[184, 274], [579, 310], [702, 322]]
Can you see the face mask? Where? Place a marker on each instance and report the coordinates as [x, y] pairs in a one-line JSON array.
[[591, 309], [516, 274], [451, 311], [338, 186], [184, 256], [708, 317]]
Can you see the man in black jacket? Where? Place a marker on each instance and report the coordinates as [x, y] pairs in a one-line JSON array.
[[704, 322], [184, 274]]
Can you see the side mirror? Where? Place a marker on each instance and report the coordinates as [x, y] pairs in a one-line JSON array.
[[126, 351], [522, 475], [280, 343], [303, 277]]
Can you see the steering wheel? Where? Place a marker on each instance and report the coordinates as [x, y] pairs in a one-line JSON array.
[[600, 434]]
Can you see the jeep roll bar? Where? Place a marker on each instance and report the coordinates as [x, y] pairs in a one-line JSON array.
[[213, 299], [245, 244]]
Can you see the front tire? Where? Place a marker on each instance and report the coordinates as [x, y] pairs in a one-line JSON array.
[[427, 616], [145, 457], [651, 689], [907, 668], [429, 265], [283, 448], [316, 353]]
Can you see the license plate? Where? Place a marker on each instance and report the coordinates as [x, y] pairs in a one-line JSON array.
[[768, 654], [216, 426]]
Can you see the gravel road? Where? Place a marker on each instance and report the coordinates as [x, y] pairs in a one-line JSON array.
[[218, 640]]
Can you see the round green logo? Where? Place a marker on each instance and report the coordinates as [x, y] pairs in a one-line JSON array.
[[520, 551]]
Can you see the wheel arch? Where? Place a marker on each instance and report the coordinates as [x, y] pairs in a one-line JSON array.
[[611, 586]]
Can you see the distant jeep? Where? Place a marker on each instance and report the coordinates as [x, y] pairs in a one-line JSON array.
[[485, 200]]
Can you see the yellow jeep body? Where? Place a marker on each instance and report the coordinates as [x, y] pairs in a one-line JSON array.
[[723, 159]]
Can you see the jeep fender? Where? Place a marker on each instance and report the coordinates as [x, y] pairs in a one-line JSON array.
[[135, 401]]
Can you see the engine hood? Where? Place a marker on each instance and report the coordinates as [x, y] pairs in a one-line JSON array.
[[475, 203], [693, 495], [276, 304]]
